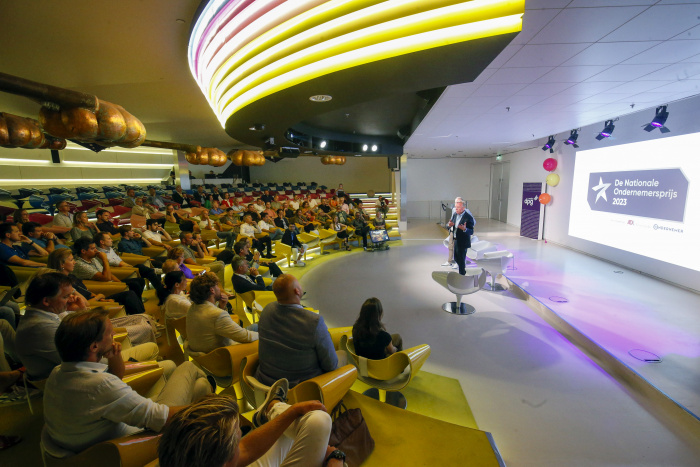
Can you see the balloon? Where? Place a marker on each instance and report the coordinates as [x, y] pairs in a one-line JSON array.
[[552, 179], [549, 164], [545, 198]]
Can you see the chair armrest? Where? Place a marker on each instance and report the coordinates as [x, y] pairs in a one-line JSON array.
[[329, 388], [143, 381], [124, 273], [133, 259], [105, 288], [338, 333], [205, 260], [153, 251]]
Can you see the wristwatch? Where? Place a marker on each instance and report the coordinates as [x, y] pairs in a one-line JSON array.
[[337, 454]]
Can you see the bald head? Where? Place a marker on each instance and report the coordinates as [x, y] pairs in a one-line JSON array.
[[287, 289]]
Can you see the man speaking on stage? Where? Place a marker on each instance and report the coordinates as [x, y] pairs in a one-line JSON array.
[[461, 227]]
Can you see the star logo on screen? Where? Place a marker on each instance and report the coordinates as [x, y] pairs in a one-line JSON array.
[[600, 188]]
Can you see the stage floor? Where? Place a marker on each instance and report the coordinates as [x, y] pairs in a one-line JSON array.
[[545, 402]]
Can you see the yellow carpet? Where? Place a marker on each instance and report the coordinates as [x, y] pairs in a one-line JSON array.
[[15, 419], [435, 396]]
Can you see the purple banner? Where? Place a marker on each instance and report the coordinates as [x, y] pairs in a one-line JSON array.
[[530, 212], [655, 194]]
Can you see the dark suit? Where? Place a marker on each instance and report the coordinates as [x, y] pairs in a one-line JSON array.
[[462, 238], [241, 285], [290, 238], [180, 199]]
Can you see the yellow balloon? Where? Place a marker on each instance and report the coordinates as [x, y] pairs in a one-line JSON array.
[[552, 179]]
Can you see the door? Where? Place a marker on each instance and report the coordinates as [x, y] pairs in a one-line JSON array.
[[500, 177]]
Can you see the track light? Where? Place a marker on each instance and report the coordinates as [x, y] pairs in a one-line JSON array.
[[659, 120], [571, 140], [323, 144], [607, 131], [365, 147], [374, 148], [549, 144]]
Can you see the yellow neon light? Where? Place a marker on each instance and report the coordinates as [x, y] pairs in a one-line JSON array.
[[372, 53], [381, 23]]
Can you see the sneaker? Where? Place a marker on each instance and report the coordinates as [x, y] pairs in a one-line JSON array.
[[300, 264], [454, 266], [447, 263], [278, 392]]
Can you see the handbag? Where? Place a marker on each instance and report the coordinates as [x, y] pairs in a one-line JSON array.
[[350, 434]]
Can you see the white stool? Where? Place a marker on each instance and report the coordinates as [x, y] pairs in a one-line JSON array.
[[473, 281]]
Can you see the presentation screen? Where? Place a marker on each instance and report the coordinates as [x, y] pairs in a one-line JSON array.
[[642, 198]]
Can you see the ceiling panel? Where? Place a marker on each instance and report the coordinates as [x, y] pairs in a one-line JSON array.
[[544, 55], [517, 75], [625, 72], [667, 52], [660, 22], [543, 89], [610, 53]]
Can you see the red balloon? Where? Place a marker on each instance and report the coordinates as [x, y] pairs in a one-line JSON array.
[[550, 164], [545, 198]]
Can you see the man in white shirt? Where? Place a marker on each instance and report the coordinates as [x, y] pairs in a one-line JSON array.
[[259, 206], [130, 200], [86, 402], [266, 226], [207, 224], [63, 217], [156, 234], [249, 229], [209, 326], [104, 242], [193, 250]]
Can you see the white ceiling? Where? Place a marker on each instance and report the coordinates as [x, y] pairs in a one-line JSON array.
[[576, 62]]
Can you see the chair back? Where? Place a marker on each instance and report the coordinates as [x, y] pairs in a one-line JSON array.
[[137, 221], [224, 363], [237, 305], [248, 298], [144, 381], [175, 353], [180, 325]]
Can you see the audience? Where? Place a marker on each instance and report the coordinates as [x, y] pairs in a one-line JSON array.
[[192, 250], [268, 227], [104, 223], [294, 342], [178, 256], [171, 298], [63, 261], [86, 402], [18, 255], [103, 241], [132, 241], [290, 238], [250, 229], [369, 334], [63, 218], [209, 326], [156, 234], [242, 249], [82, 227]]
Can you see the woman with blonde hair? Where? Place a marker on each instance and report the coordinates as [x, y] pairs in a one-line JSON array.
[[82, 227], [178, 254]]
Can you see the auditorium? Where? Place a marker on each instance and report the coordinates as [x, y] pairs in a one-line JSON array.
[[234, 189]]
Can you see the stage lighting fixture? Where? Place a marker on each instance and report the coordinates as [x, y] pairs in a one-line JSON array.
[[365, 147], [607, 131], [659, 120], [323, 144], [549, 144], [374, 148], [571, 140]]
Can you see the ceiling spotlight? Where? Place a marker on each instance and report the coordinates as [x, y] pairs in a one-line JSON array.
[[374, 148], [257, 127], [571, 140], [659, 120], [549, 144], [365, 147], [320, 98], [323, 144], [607, 131]]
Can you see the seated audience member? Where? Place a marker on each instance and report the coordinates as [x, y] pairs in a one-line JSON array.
[[18, 255], [236, 206], [379, 221], [207, 434], [178, 256], [226, 201], [103, 241], [183, 199], [21, 217], [266, 197], [172, 299], [48, 296], [63, 218], [104, 224], [63, 261], [369, 334], [192, 250], [294, 342], [156, 234], [209, 326], [155, 199], [341, 232], [208, 224], [259, 206], [242, 249], [132, 242], [199, 195], [304, 219], [182, 219], [82, 227], [381, 205], [267, 226], [46, 240], [230, 219], [281, 221], [86, 402], [245, 278], [252, 212], [361, 227], [216, 208], [91, 264], [197, 237], [290, 238], [276, 203], [271, 212], [170, 265], [249, 229], [149, 212], [288, 211], [130, 200]]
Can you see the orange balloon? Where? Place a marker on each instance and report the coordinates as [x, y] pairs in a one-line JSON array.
[[545, 198]]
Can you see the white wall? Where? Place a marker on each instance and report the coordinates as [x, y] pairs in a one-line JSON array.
[[358, 174], [432, 181], [526, 166]]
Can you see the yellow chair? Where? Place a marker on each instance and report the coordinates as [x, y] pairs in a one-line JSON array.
[[154, 251], [130, 451], [285, 251], [238, 308], [175, 353], [338, 333], [134, 259], [307, 239], [124, 273], [105, 288], [224, 363], [327, 237], [172, 228], [387, 376], [329, 388]]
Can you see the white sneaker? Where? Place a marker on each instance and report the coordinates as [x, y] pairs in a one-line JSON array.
[[447, 263], [454, 266], [300, 264]]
